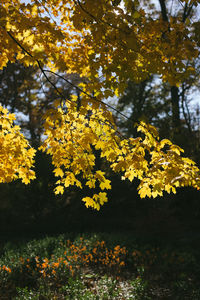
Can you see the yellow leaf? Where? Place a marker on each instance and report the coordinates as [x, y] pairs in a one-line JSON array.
[[176, 149], [67, 182], [103, 198], [105, 184], [88, 201], [59, 190], [145, 191], [25, 180], [58, 172], [91, 183]]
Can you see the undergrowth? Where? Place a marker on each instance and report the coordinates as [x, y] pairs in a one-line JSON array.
[[96, 267]]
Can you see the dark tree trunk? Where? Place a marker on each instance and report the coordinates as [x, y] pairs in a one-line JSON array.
[[176, 123]]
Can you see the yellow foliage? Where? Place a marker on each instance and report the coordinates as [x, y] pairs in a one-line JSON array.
[[16, 156], [75, 134]]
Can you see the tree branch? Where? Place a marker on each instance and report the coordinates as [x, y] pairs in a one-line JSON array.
[[75, 86], [163, 10], [187, 12], [88, 95], [38, 62]]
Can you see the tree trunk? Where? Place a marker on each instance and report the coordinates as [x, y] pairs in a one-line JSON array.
[[176, 123]]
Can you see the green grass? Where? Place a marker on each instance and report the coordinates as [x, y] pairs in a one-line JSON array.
[[98, 266]]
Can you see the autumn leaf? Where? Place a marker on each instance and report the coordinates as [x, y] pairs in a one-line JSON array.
[[105, 184], [145, 191], [58, 172], [59, 190]]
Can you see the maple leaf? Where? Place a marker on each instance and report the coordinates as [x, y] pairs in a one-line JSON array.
[[103, 198], [25, 180], [58, 172], [145, 191], [59, 190], [91, 183], [105, 184], [88, 201]]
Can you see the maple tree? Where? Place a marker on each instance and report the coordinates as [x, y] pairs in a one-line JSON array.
[[117, 42]]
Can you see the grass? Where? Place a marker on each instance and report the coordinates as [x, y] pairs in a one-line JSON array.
[[103, 266]]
